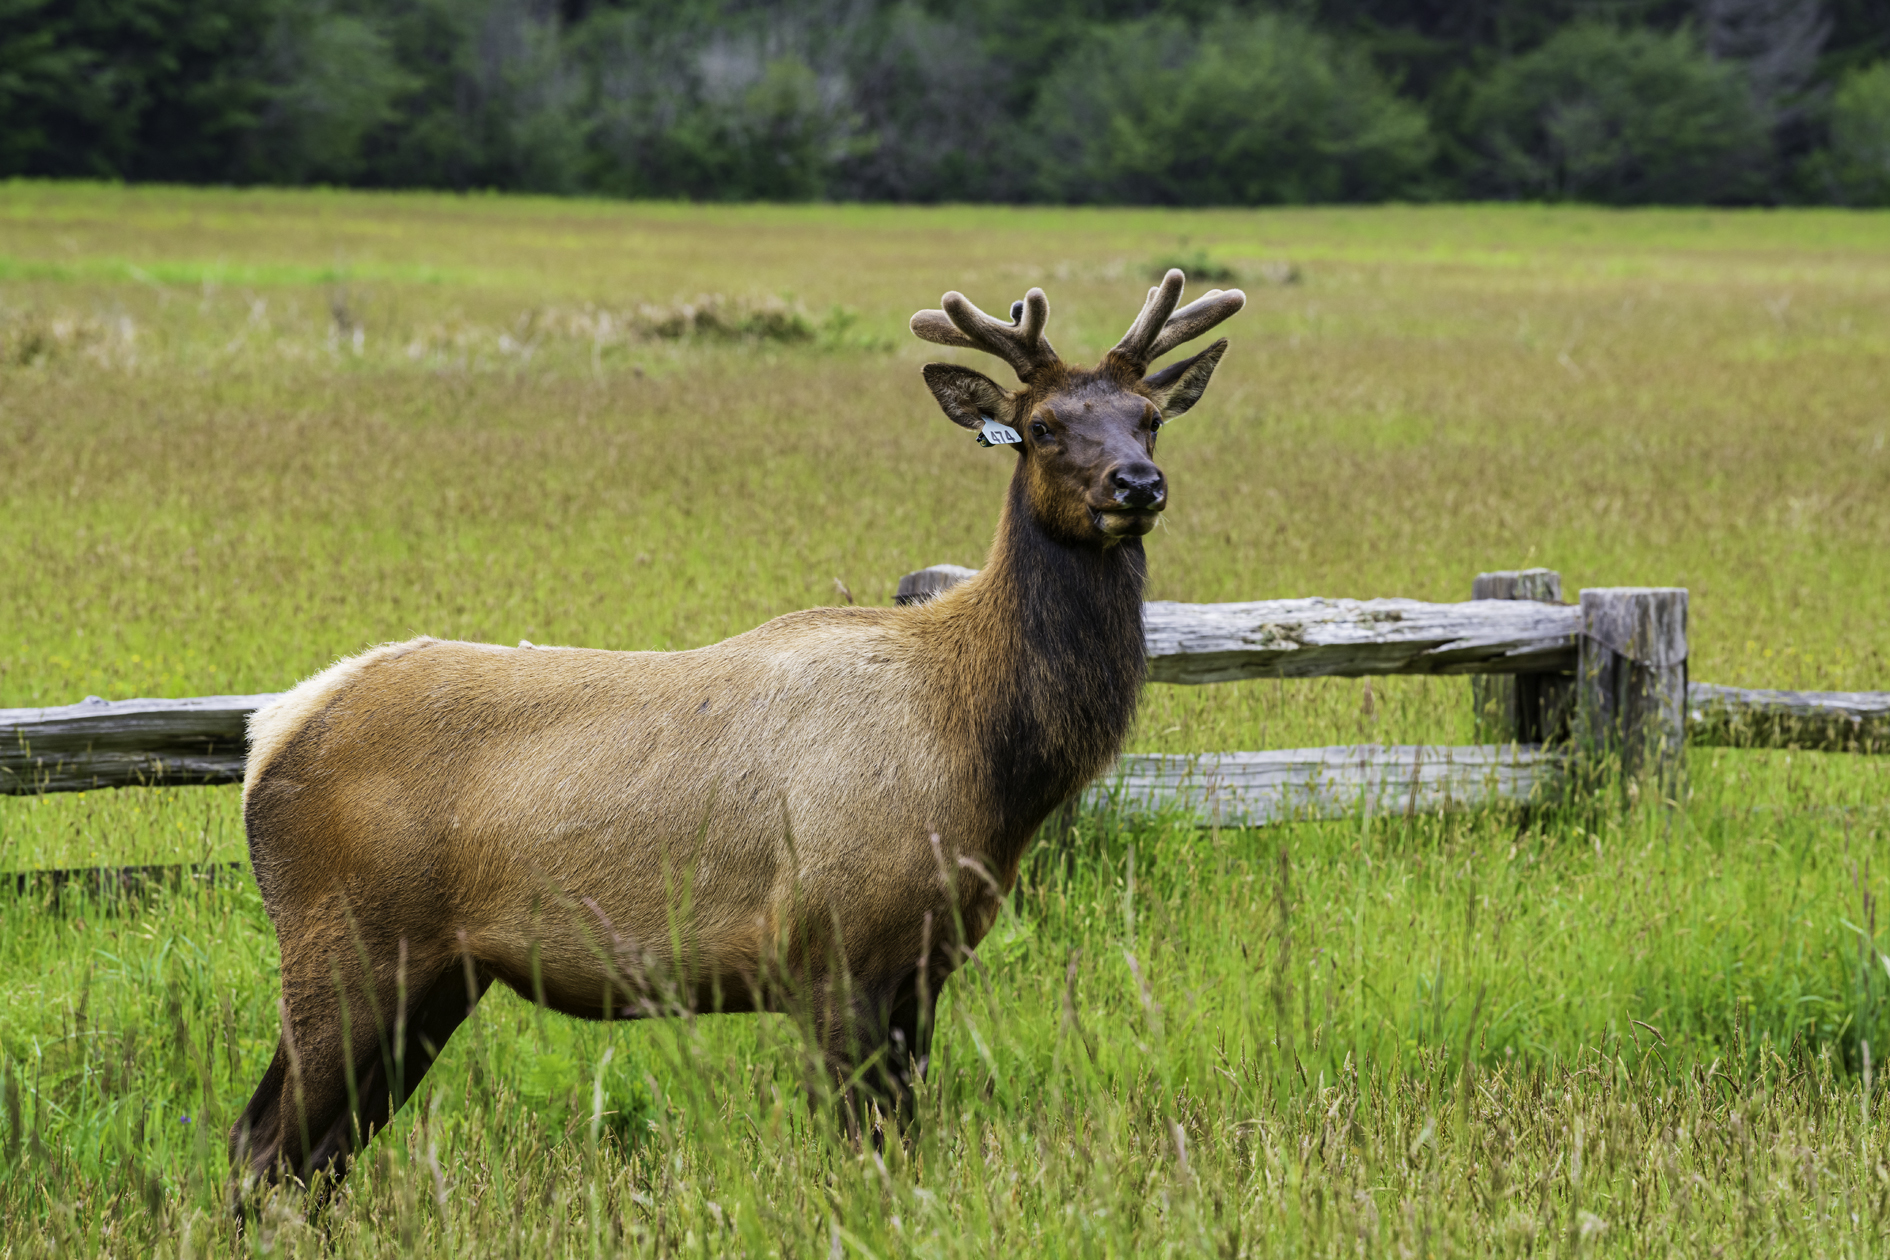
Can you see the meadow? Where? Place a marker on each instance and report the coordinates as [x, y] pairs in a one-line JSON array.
[[244, 433]]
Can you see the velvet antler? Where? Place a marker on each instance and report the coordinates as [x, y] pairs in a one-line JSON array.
[[1020, 343], [1160, 327]]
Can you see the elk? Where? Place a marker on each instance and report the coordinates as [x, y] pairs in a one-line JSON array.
[[844, 793]]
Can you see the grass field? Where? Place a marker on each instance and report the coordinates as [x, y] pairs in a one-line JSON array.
[[244, 433]]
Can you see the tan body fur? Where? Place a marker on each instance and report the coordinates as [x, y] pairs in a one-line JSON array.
[[766, 772], [823, 813]]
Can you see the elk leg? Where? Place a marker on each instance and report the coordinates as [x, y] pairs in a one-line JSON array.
[[386, 1078], [909, 1040], [893, 1038], [306, 1082], [256, 1137], [304, 1107], [328, 1028], [852, 1031]]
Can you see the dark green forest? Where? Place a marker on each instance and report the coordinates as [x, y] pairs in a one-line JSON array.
[[1170, 102]]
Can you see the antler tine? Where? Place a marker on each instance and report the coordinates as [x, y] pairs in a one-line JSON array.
[[1020, 343], [1196, 318], [1133, 349], [936, 326]]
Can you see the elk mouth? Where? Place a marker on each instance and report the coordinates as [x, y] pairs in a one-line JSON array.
[[1121, 522]]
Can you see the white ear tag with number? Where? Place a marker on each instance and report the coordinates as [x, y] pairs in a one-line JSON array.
[[995, 434]]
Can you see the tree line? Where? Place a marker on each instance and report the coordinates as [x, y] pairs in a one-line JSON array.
[[1172, 102]]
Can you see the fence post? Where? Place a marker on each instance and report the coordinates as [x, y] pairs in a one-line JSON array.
[[1631, 689], [1521, 708], [919, 586]]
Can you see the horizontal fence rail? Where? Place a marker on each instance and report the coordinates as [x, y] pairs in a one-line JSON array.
[[1252, 789], [118, 883], [125, 743], [1333, 638], [1524, 632], [1834, 721], [1354, 638]]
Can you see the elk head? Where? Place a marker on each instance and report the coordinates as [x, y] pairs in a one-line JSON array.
[[1085, 437]]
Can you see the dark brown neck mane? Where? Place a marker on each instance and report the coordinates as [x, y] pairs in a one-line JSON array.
[[1045, 661]]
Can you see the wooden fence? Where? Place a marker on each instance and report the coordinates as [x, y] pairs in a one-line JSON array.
[[1556, 687], [1564, 695]]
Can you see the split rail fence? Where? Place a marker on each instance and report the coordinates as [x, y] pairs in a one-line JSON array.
[[1561, 691]]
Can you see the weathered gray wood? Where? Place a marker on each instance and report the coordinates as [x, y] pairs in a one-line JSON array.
[[1631, 689], [1541, 585], [1524, 708], [100, 744], [1250, 789], [1344, 638], [1352, 638], [1834, 721], [916, 588]]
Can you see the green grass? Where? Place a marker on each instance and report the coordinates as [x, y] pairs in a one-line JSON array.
[[1386, 1033], [1410, 1036]]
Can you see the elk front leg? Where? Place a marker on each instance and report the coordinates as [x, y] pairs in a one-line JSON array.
[[876, 1046]]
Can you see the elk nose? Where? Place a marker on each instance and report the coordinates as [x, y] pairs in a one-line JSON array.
[[1139, 486]]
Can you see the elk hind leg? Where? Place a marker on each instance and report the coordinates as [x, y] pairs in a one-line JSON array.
[[256, 1139], [389, 1071], [324, 1093]]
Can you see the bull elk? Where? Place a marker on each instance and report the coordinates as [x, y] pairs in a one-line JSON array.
[[431, 816]]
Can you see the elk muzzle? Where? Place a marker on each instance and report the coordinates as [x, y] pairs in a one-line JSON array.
[[1137, 494]]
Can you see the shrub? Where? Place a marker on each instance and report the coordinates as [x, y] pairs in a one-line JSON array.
[[1201, 266], [1619, 116], [132, 89], [715, 317], [423, 93], [1240, 111], [735, 113], [924, 136], [29, 338], [336, 82], [1857, 165]]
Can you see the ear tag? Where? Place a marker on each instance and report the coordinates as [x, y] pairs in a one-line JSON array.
[[995, 434]]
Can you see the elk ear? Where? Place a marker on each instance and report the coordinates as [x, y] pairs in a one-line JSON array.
[[1179, 386], [968, 397]]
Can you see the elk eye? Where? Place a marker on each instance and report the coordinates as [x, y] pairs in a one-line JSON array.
[[1039, 430]]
